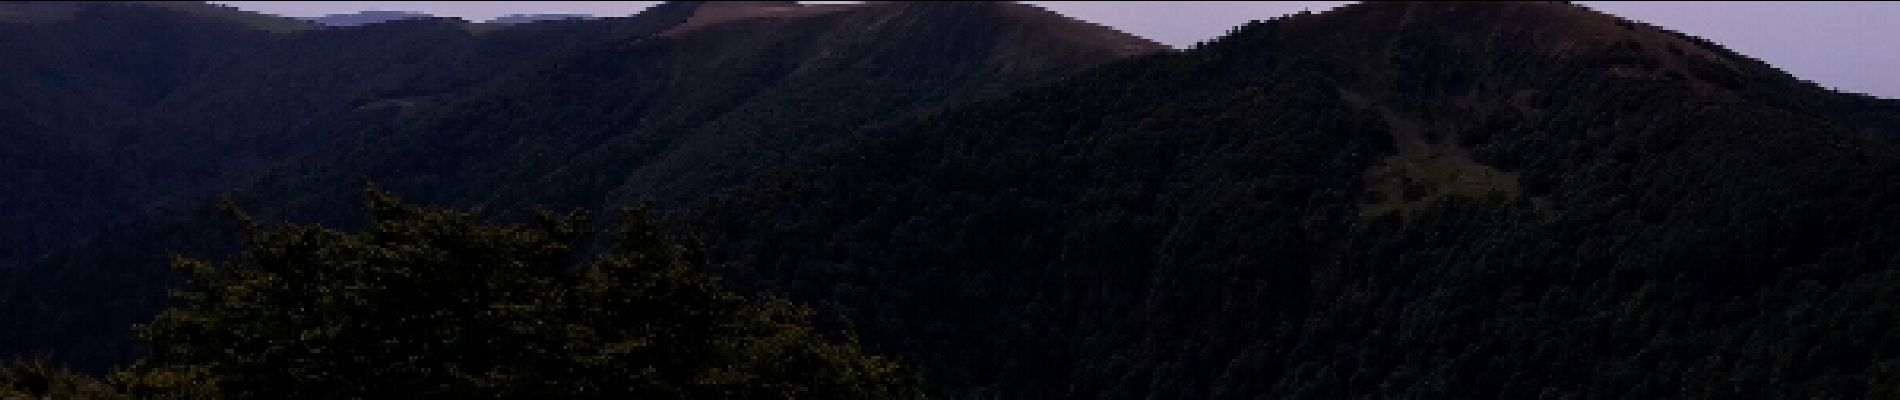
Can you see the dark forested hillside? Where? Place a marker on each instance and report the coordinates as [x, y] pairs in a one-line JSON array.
[[74, 72], [701, 107], [1387, 200], [1880, 117], [120, 106], [678, 101], [116, 108]]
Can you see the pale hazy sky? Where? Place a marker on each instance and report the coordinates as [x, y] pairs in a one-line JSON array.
[[1848, 45]]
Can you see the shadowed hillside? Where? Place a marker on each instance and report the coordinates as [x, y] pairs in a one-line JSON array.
[[564, 114], [121, 106], [1387, 200]]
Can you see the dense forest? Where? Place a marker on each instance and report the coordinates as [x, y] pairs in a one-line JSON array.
[[429, 303], [122, 106], [1385, 200], [1444, 201], [662, 106]]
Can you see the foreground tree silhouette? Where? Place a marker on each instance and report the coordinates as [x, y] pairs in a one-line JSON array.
[[38, 378], [437, 304]]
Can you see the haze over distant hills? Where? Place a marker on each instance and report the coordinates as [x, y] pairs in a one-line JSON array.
[[1384, 200]]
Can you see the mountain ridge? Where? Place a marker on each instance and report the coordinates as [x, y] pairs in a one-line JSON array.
[[598, 109], [63, 11], [1386, 200]]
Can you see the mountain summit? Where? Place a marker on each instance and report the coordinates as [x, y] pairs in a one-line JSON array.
[[1385, 200], [707, 13]]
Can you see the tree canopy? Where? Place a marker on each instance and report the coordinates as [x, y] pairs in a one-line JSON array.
[[431, 303]]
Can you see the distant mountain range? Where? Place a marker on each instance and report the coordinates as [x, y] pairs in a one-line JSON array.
[[1384, 200], [512, 19], [361, 18]]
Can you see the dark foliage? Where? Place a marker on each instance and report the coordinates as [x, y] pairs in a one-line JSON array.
[[1387, 200], [567, 114], [435, 303], [137, 108], [1436, 200], [39, 378], [124, 106]]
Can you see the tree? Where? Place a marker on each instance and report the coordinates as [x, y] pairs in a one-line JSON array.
[[38, 378], [438, 304]]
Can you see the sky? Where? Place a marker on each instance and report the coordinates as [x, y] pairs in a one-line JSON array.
[[1844, 45]]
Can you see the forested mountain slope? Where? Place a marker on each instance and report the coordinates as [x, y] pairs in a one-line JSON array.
[[118, 107], [69, 83], [701, 107], [678, 101], [1386, 200], [1877, 116]]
